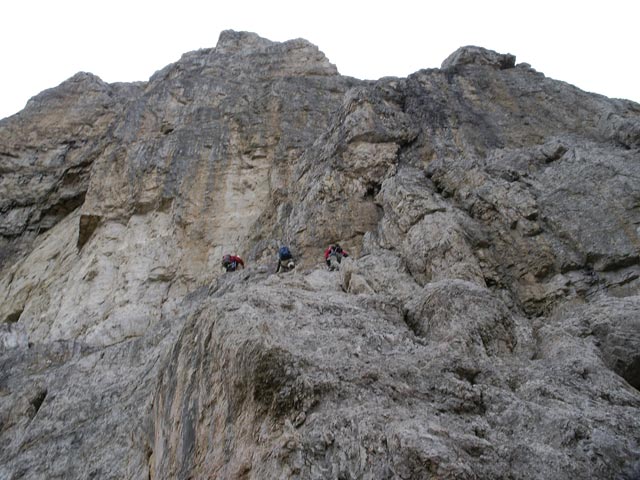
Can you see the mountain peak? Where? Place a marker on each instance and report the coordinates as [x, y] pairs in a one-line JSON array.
[[472, 55]]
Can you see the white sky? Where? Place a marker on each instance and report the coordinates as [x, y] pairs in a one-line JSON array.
[[593, 45]]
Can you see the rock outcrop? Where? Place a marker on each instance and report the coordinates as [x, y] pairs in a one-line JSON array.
[[486, 324]]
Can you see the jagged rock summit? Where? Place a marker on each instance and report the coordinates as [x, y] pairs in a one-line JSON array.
[[485, 326]]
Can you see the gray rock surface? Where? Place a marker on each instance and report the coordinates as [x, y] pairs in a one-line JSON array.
[[471, 55], [486, 324]]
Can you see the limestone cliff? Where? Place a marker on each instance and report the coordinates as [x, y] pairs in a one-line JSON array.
[[486, 325]]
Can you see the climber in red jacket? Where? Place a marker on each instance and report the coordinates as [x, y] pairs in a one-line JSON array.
[[333, 256], [230, 262]]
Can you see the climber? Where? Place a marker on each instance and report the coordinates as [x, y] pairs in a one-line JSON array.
[[230, 262], [333, 256], [285, 260]]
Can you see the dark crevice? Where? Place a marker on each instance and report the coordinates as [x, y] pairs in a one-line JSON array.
[[60, 210], [631, 372], [166, 128], [617, 263], [413, 324], [372, 190], [13, 317], [407, 144], [149, 455], [71, 143], [78, 177], [86, 226], [38, 400], [468, 374], [165, 204], [9, 154]]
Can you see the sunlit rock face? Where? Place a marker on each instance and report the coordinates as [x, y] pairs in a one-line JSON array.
[[485, 325]]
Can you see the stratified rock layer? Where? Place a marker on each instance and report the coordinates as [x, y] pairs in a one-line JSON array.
[[486, 325]]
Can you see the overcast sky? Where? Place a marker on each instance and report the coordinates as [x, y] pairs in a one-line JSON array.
[[593, 45]]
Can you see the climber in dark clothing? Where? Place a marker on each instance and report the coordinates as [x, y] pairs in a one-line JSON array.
[[230, 263], [333, 256], [285, 260]]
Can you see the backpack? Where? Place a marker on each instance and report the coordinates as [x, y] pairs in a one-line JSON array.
[[226, 260], [284, 253]]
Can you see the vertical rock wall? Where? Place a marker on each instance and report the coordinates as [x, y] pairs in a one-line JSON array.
[[486, 325]]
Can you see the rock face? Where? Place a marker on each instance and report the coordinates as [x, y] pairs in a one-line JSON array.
[[486, 324]]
